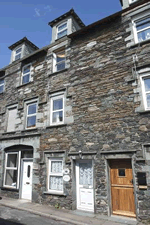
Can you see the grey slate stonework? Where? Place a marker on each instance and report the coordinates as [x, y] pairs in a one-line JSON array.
[[103, 117]]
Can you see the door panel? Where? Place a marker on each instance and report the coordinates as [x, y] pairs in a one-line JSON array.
[[122, 191], [27, 180], [84, 185]]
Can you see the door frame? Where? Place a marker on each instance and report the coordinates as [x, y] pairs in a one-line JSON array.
[[108, 158], [75, 164], [21, 175]]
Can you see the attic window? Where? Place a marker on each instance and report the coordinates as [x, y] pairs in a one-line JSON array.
[[18, 53], [62, 30], [131, 1]]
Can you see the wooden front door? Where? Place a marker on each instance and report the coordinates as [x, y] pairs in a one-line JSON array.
[[122, 190]]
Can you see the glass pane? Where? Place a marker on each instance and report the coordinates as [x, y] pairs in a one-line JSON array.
[[85, 174], [148, 100], [26, 69], [56, 166], [147, 84], [18, 50], [26, 79], [57, 104], [31, 121], [60, 57], [63, 26], [144, 35], [1, 82], [57, 117], [18, 56], [28, 171], [12, 160], [31, 109], [143, 24], [62, 33], [121, 172], [56, 183], [1, 89], [141, 178], [60, 66], [11, 178]]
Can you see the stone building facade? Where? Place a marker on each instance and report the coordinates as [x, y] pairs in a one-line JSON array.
[[74, 115]]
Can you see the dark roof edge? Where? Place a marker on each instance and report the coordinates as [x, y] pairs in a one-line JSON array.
[[70, 12], [24, 39], [121, 2], [106, 19]]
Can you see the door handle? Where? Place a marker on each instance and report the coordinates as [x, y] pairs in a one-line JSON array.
[[27, 182]]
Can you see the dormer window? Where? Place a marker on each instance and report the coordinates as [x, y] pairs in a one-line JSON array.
[[62, 30], [18, 53], [132, 1], [1, 85]]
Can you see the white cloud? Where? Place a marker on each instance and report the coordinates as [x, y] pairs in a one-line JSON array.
[[43, 11]]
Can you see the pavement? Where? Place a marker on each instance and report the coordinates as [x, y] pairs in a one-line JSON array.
[[69, 216]]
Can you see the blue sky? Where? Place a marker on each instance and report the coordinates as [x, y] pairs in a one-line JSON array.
[[30, 18]]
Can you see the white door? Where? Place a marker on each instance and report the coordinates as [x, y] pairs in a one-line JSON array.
[[27, 180], [84, 185]]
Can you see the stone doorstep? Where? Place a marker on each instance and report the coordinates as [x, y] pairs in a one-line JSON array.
[[72, 217]]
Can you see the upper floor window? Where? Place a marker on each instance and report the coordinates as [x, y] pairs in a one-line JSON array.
[[57, 110], [131, 1], [62, 30], [18, 53], [142, 29], [11, 118], [59, 61], [26, 74], [1, 85], [146, 91], [31, 115]]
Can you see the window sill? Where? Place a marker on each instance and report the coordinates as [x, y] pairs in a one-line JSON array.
[[28, 130], [22, 85], [142, 187], [144, 111], [140, 43], [53, 193], [11, 132], [9, 189], [60, 71], [57, 125]]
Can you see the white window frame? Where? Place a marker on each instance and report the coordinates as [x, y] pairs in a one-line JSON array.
[[66, 28], [2, 85], [55, 60], [15, 54], [30, 115], [132, 1], [50, 160], [24, 74], [137, 18], [144, 76], [12, 168], [55, 97]]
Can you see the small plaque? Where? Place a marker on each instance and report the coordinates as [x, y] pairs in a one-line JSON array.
[[66, 178], [66, 171]]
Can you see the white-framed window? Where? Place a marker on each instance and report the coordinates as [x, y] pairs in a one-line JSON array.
[[131, 1], [11, 171], [57, 110], [55, 175], [18, 53], [31, 115], [59, 61], [26, 74], [1, 85], [145, 80], [11, 118], [142, 28], [62, 30]]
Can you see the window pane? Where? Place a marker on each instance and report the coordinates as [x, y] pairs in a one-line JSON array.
[[56, 183], [147, 84], [1, 89], [121, 172], [31, 121], [60, 66], [26, 69], [85, 174], [11, 178], [63, 26], [12, 160], [144, 35], [143, 24], [1, 82], [62, 33], [57, 117], [26, 79], [18, 56], [18, 50], [31, 109], [57, 104], [56, 166], [60, 57], [148, 100]]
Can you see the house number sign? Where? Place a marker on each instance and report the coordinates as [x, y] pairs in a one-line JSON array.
[[66, 178]]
